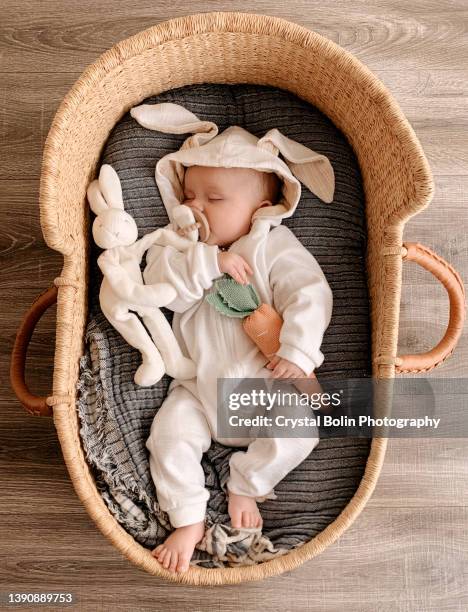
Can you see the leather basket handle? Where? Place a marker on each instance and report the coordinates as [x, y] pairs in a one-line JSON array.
[[34, 404], [452, 282]]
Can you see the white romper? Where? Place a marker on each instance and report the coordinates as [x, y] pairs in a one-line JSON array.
[[286, 276]]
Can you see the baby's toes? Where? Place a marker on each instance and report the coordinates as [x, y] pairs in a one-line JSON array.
[[184, 562], [236, 519], [166, 556], [174, 561], [157, 550], [259, 521], [167, 559], [161, 554]]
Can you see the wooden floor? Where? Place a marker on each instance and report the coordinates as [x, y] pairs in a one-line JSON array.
[[409, 548]]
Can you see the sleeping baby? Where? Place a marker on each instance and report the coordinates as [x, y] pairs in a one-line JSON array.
[[242, 190]]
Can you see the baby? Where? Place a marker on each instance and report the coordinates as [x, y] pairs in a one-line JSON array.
[[252, 248]]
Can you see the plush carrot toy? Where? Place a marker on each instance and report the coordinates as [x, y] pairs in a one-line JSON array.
[[261, 322]]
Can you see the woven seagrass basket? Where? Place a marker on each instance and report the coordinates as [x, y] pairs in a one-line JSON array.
[[230, 48]]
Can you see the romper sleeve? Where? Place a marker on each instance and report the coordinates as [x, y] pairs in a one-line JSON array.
[[301, 295], [190, 272]]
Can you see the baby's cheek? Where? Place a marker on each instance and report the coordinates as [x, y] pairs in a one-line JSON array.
[[227, 218]]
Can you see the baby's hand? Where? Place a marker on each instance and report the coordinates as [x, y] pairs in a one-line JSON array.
[[283, 368], [234, 265]]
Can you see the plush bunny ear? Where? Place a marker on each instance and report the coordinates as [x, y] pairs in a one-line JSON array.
[[105, 192], [175, 119], [95, 199], [111, 189], [311, 168]]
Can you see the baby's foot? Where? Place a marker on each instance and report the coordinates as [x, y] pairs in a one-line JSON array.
[[243, 511], [177, 550]]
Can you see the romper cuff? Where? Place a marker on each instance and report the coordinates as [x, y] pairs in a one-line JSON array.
[[187, 515], [301, 359], [212, 265]]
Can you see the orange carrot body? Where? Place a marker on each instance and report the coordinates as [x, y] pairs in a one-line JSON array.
[[263, 327]]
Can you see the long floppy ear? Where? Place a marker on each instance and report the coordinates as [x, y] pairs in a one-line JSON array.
[[175, 119], [96, 201], [105, 192], [111, 188], [311, 168]]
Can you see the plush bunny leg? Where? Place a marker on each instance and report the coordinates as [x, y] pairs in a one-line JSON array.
[[131, 329], [176, 364]]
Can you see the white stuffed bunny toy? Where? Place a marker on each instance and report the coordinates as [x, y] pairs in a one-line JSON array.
[[123, 292]]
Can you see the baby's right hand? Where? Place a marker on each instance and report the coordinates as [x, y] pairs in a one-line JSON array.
[[234, 265]]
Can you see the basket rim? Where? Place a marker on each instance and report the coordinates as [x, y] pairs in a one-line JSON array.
[[187, 26], [171, 30]]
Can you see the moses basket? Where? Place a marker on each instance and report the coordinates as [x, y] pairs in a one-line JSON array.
[[230, 48]]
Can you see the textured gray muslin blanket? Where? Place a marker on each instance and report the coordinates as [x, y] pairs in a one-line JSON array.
[[116, 415]]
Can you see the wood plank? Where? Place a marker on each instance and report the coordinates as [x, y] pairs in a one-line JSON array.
[[397, 558], [28, 104], [44, 39], [429, 85], [423, 472]]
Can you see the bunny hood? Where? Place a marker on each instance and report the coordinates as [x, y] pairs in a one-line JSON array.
[[235, 147]]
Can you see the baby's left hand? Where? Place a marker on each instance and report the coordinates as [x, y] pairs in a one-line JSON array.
[[282, 368]]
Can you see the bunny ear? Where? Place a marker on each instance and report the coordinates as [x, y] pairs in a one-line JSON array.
[[96, 201], [311, 168], [175, 119], [110, 186]]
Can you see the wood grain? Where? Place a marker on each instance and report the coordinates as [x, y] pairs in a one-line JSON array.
[[412, 564], [408, 550]]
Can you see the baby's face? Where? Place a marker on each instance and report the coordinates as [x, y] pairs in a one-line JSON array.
[[228, 197]]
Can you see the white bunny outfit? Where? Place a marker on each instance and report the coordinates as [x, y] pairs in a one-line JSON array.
[[285, 275]]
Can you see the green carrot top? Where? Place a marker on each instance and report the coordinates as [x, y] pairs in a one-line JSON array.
[[232, 299]]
